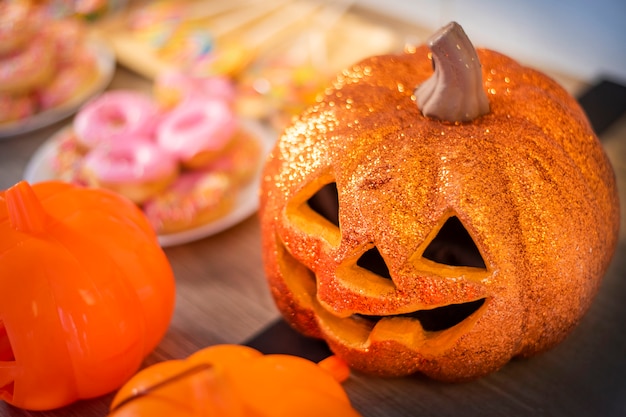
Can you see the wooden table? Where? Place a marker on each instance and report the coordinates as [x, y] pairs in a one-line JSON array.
[[222, 298]]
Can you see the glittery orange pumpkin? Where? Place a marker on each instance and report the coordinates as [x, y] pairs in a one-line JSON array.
[[447, 247]]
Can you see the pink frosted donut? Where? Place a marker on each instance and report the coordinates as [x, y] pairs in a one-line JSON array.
[[137, 169], [197, 131], [241, 160], [115, 116], [194, 199], [172, 88]]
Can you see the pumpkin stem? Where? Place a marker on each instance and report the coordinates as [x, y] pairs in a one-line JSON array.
[[455, 91], [337, 367], [26, 213]]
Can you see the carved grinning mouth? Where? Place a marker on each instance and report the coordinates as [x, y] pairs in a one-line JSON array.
[[450, 247], [436, 319]]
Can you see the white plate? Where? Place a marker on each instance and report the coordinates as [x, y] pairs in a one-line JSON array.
[[105, 60], [39, 168]]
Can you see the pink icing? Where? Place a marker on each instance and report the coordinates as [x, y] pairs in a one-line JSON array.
[[217, 86], [195, 126], [133, 161], [190, 194], [116, 116], [185, 87]]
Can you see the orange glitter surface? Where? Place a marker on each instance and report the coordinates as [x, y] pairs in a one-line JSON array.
[[529, 182]]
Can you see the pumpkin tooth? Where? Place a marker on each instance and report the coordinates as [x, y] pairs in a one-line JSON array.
[[436, 319]]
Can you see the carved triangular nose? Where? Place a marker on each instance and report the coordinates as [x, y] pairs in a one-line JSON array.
[[373, 261], [454, 246], [325, 202]]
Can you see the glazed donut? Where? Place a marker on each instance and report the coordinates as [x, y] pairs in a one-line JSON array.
[[135, 168], [172, 88], [27, 68], [17, 25], [115, 116], [241, 159], [73, 80], [68, 37], [14, 108], [196, 198], [67, 159], [197, 131]]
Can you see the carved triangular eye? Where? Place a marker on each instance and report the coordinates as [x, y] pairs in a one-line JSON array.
[[373, 261], [7, 373], [454, 246], [325, 202], [6, 351]]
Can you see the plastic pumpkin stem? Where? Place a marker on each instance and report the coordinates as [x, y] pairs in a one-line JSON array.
[[26, 213], [454, 92], [336, 367]]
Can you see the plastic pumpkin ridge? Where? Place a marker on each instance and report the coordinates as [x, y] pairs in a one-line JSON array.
[[439, 211], [86, 293]]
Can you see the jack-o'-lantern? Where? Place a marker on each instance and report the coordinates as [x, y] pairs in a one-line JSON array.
[[236, 381], [86, 293], [439, 211]]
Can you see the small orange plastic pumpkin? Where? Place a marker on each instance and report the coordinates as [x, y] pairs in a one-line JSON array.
[[86, 293], [439, 211], [236, 381]]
